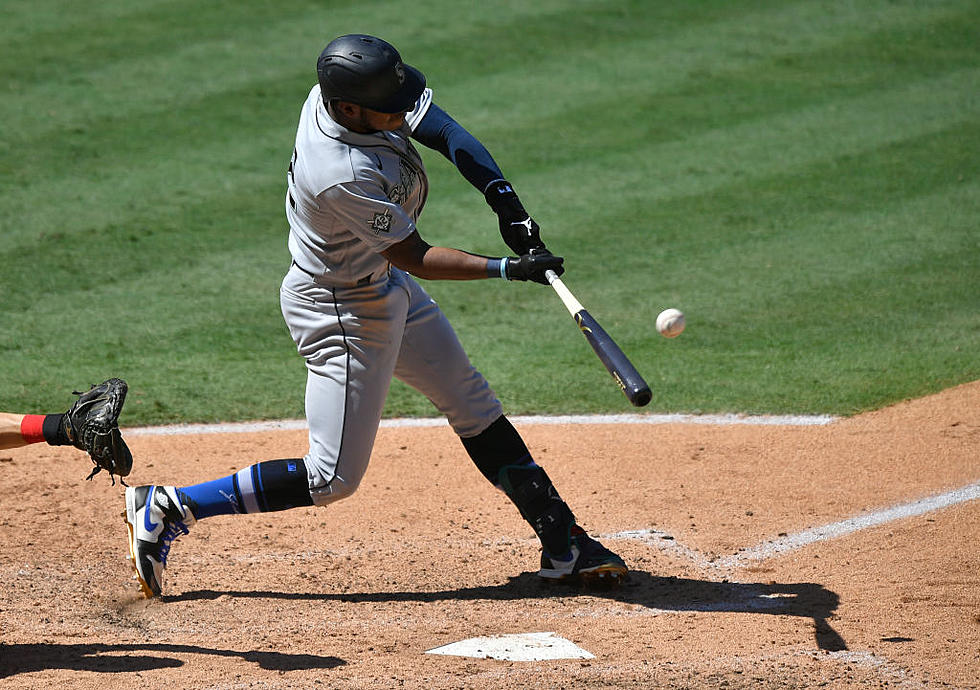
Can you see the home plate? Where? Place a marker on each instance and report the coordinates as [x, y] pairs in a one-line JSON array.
[[539, 646]]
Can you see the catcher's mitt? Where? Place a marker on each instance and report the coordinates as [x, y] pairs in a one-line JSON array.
[[92, 424]]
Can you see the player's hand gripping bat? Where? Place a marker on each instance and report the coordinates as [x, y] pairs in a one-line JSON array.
[[617, 363]]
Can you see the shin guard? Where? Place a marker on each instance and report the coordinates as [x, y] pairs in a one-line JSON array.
[[496, 447], [529, 487]]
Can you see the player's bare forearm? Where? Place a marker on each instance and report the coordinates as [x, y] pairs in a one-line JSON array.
[[444, 263], [422, 260], [10, 436]]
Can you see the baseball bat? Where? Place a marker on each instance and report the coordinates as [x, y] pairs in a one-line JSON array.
[[616, 362]]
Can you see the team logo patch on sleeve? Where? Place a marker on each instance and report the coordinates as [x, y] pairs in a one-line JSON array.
[[381, 222]]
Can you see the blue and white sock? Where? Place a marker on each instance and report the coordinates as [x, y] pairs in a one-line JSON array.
[[261, 488]]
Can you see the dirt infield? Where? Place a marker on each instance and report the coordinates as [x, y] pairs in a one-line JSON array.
[[746, 570]]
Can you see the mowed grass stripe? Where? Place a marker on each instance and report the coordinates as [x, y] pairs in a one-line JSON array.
[[716, 144], [840, 209], [107, 174], [781, 272], [623, 204], [154, 258], [230, 65], [829, 313], [206, 97], [836, 129], [836, 335], [126, 170], [665, 104], [784, 240], [142, 62], [627, 70], [221, 76], [214, 320], [950, 101]]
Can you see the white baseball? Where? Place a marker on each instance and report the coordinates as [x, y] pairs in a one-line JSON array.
[[670, 323]]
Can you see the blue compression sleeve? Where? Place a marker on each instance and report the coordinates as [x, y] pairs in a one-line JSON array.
[[438, 131]]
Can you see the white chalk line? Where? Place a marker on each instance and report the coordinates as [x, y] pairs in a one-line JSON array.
[[654, 538], [663, 541], [525, 420], [791, 542]]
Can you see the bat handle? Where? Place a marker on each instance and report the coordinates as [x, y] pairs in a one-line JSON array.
[[568, 299]]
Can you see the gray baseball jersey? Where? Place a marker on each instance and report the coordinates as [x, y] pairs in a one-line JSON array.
[[351, 195], [355, 319]]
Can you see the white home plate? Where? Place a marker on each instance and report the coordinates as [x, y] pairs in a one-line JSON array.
[[539, 646]]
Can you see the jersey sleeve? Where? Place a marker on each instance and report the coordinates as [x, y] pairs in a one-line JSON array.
[[363, 209], [413, 118]]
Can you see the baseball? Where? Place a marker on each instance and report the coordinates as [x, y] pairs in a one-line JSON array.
[[670, 323]]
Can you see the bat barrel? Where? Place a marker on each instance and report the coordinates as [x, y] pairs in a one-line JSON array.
[[619, 366], [612, 357]]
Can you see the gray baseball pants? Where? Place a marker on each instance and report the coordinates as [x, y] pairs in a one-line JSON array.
[[354, 339]]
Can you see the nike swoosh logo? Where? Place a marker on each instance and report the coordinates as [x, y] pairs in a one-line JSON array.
[[148, 524]]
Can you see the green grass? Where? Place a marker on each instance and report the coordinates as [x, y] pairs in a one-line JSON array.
[[800, 178]]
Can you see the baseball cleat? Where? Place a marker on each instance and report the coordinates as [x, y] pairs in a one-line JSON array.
[[155, 517], [590, 563]]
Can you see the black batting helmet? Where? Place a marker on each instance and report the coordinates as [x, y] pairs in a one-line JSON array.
[[368, 72]]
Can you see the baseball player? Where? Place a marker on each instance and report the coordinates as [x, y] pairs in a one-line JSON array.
[[91, 424], [356, 187]]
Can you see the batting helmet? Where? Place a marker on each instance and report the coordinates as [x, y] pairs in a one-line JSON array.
[[368, 72]]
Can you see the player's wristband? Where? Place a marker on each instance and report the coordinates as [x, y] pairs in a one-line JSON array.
[[497, 268], [502, 198]]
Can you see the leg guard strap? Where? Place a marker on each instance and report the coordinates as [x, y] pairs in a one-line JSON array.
[[531, 490]]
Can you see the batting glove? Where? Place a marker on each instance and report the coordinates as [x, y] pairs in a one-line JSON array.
[[532, 266]]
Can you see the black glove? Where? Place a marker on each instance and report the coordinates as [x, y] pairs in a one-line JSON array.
[[532, 266], [517, 228], [92, 424]]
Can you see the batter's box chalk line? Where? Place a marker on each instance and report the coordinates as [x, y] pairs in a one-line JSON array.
[[797, 540]]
